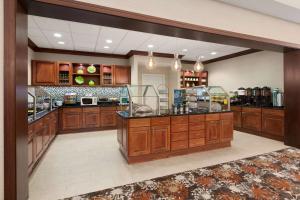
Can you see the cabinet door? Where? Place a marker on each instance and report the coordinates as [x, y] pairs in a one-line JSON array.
[[273, 125], [91, 120], [120, 129], [71, 118], [226, 130], [237, 119], [212, 132], [108, 118], [160, 139], [44, 73], [122, 75], [39, 133], [30, 151], [139, 141], [251, 121], [47, 130]]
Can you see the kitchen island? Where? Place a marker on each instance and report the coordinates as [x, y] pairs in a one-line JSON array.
[[161, 136]]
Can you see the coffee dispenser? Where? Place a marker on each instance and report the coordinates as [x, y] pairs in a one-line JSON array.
[[266, 97], [242, 95], [249, 96], [256, 96]]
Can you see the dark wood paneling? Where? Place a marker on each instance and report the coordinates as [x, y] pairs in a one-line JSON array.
[[15, 100], [104, 16], [292, 98]]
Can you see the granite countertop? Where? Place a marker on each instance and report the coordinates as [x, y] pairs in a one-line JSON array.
[[100, 104], [125, 114], [40, 115], [263, 107]]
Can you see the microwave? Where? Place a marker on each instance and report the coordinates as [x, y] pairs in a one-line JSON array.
[[88, 101]]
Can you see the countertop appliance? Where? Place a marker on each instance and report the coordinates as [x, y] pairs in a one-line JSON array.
[[277, 98], [70, 98], [266, 97], [242, 95], [249, 96], [88, 101], [256, 96]]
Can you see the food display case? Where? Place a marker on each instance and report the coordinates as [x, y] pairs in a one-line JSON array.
[[211, 98], [143, 100]]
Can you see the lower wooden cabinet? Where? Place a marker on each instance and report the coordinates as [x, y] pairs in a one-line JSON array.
[[273, 122], [160, 139], [213, 129], [39, 132], [226, 133], [139, 141], [71, 118], [251, 121], [108, 118], [31, 154], [91, 117]]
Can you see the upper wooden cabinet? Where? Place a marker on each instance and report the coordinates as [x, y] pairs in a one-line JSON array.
[[44, 73], [122, 75], [65, 73]]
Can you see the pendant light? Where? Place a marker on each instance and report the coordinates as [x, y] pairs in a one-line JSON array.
[[176, 64], [150, 65], [198, 67]]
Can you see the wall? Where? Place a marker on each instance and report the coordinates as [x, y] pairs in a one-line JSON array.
[[1, 102], [258, 69], [30, 57], [212, 14]]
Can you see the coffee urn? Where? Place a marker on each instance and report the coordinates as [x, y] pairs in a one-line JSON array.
[[249, 96], [266, 96], [242, 95], [256, 96]]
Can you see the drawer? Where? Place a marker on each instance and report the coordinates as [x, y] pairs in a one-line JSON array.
[[228, 115], [91, 110], [71, 110], [108, 108], [142, 122], [196, 127], [197, 142], [180, 119], [255, 110], [179, 127], [279, 113], [179, 136], [196, 118], [197, 134], [178, 145], [157, 121], [212, 117], [236, 108]]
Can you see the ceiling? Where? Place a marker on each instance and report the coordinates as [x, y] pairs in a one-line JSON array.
[[92, 38], [284, 9]]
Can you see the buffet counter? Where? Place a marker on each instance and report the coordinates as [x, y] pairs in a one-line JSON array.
[[144, 138]]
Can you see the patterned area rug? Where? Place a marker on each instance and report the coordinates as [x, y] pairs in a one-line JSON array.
[[270, 176]]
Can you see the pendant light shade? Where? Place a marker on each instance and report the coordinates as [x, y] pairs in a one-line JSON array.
[[176, 65], [150, 65], [198, 67]]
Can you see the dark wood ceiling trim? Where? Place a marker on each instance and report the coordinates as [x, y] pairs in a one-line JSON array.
[[156, 54], [100, 15], [79, 53], [32, 45], [234, 55]]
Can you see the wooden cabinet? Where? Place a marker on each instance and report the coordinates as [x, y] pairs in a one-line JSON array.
[[251, 119], [139, 141], [39, 133], [226, 133], [108, 117], [71, 118], [160, 139], [120, 130], [44, 73], [122, 75], [273, 122], [237, 116], [91, 117], [212, 132], [196, 130], [179, 132], [31, 147]]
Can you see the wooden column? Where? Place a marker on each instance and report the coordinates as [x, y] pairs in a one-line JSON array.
[[292, 98], [15, 101]]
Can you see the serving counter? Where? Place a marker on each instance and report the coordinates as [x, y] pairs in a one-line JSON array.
[[144, 138]]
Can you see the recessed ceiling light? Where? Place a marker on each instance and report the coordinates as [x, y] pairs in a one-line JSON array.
[[202, 57], [106, 47], [150, 45], [108, 41], [61, 42], [213, 53], [184, 50], [58, 35]]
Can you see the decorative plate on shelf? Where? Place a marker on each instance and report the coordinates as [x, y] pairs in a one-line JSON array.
[[79, 71], [79, 80], [91, 69], [91, 83]]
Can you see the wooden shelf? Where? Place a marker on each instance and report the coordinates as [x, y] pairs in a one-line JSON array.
[[86, 74], [201, 76]]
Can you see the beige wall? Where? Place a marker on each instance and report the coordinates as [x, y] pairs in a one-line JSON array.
[[258, 69], [1, 103], [212, 14], [30, 57]]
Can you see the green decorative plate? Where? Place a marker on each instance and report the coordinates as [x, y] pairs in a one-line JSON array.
[[79, 80], [91, 69], [91, 83]]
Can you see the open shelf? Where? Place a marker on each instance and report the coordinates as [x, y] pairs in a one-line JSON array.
[[191, 78]]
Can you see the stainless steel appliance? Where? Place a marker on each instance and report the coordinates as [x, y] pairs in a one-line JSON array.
[[277, 98], [88, 101], [266, 97], [70, 98]]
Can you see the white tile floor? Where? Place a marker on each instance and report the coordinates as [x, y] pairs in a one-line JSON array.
[[86, 162]]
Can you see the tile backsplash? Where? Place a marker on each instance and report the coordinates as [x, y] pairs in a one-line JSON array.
[[101, 92]]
